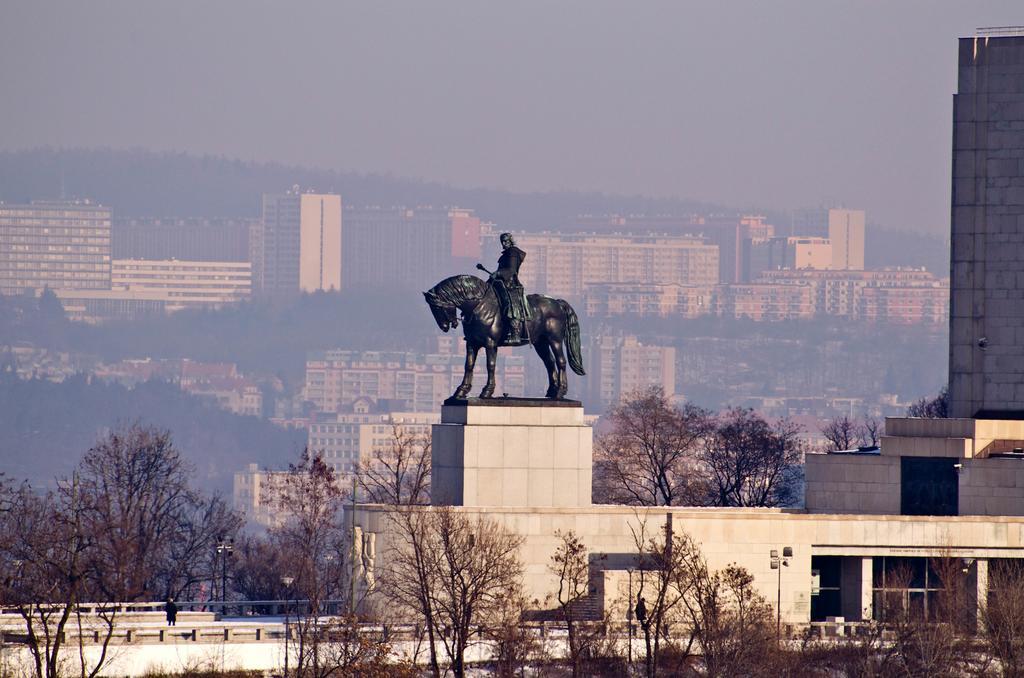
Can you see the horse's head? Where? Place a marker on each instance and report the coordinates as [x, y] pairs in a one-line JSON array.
[[448, 297], [445, 315]]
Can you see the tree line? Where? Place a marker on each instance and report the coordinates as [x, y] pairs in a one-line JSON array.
[[654, 453]]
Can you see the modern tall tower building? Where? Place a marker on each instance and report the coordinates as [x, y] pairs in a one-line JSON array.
[[61, 245], [846, 233], [297, 244], [986, 342]]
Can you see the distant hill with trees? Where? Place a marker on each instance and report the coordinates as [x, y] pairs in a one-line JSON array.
[[145, 183], [46, 427]]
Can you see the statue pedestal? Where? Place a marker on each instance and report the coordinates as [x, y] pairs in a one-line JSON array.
[[528, 452]]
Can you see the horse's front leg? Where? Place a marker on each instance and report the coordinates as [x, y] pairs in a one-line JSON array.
[[492, 360], [467, 379]]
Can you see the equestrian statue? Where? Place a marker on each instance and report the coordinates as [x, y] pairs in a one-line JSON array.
[[498, 312]]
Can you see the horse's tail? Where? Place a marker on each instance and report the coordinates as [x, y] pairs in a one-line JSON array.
[[572, 330]]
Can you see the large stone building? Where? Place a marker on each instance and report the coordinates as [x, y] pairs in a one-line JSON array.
[[62, 245], [408, 249], [935, 489], [986, 338], [296, 247]]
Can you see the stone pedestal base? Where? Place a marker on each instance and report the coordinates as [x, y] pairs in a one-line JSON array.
[[512, 452]]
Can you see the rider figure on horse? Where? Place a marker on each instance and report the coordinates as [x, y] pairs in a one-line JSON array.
[[510, 293]]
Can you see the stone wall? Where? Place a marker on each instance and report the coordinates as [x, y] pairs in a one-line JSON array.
[[852, 483], [986, 348]]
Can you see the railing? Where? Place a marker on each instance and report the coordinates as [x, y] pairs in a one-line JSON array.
[[240, 608]]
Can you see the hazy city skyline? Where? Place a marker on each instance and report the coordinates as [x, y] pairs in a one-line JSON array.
[[778, 106]]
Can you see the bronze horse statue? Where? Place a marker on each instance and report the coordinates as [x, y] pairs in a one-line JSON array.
[[552, 325]]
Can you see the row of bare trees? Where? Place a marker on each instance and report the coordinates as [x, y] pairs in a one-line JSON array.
[[658, 454], [125, 527]]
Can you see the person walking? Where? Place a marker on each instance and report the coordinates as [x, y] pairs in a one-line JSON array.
[[172, 612]]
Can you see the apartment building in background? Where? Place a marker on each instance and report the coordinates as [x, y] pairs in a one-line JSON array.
[[565, 265], [894, 295], [408, 248], [685, 301], [420, 381], [142, 286], [348, 439], [618, 365], [188, 239], [61, 245], [296, 246]]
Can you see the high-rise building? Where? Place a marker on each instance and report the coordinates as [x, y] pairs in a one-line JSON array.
[[733, 235], [297, 244], [409, 249], [63, 245], [191, 239], [846, 233], [986, 339]]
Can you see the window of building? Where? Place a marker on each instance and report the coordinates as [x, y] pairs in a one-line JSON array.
[[929, 486]]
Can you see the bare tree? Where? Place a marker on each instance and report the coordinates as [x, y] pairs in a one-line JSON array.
[[841, 433], [313, 538], [844, 433], [515, 646], [570, 564], [408, 579], [154, 534], [124, 527], [456, 573], [647, 458], [399, 473], [931, 408], [661, 566], [732, 623], [749, 462], [259, 565], [48, 575], [1002, 617]]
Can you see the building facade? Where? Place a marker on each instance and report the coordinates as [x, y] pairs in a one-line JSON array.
[[142, 286], [564, 266], [846, 233], [621, 365], [422, 381], [409, 249], [62, 245], [986, 338], [296, 247], [348, 439], [188, 239]]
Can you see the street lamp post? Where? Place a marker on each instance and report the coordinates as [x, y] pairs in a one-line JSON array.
[[287, 581], [778, 563], [224, 549]]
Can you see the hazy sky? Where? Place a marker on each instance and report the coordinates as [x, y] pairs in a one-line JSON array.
[[776, 104]]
